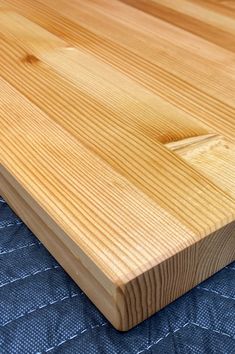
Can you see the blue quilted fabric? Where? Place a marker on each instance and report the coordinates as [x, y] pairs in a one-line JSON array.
[[42, 310]]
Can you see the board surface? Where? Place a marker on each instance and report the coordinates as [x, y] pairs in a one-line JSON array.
[[117, 142]]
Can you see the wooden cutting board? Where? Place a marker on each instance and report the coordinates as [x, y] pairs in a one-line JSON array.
[[117, 132]]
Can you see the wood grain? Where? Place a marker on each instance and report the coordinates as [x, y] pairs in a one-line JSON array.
[[76, 30], [212, 155], [117, 142]]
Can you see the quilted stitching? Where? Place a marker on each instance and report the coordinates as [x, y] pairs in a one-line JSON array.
[[42, 310]]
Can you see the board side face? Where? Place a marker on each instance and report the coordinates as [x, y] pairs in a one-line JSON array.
[[129, 175]]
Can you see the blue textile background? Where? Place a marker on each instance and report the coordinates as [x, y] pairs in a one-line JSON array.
[[42, 310]]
